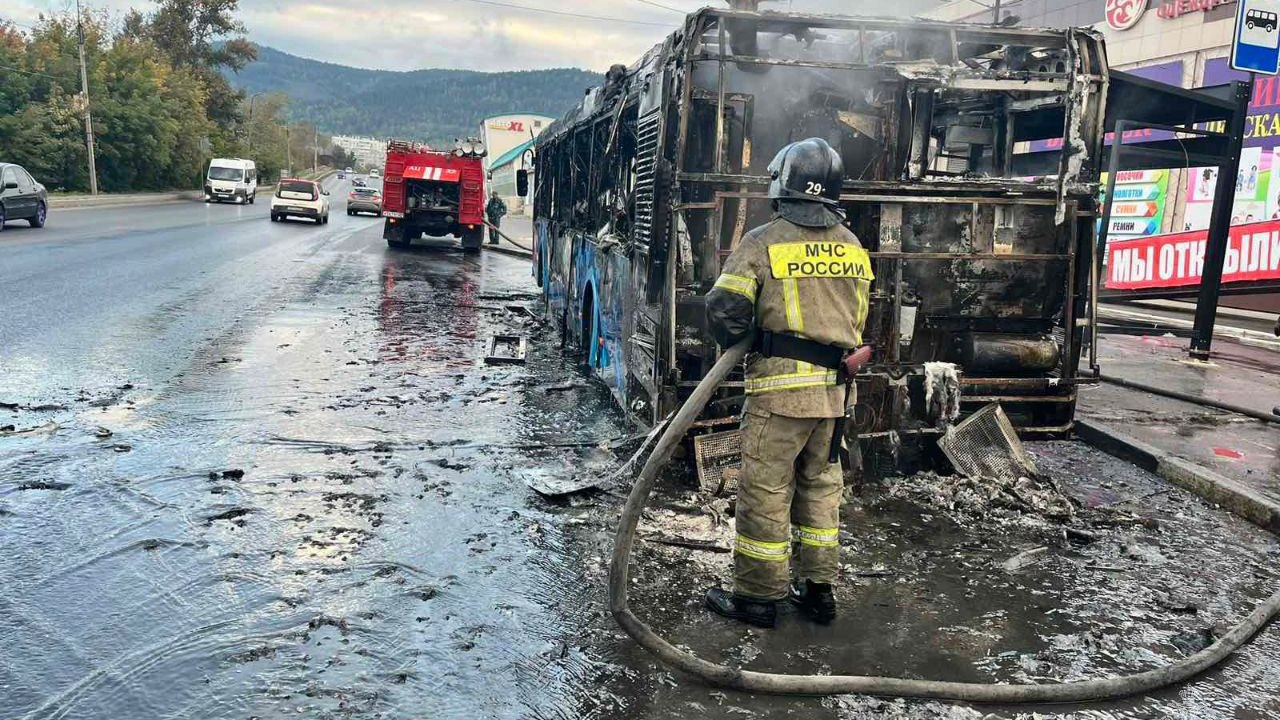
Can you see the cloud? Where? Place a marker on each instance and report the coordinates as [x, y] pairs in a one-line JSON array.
[[469, 34]]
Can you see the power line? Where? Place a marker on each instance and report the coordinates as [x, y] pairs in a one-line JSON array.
[[32, 72], [664, 7], [562, 13], [17, 24]]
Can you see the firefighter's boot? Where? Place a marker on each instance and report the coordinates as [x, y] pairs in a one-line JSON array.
[[761, 613], [816, 600]]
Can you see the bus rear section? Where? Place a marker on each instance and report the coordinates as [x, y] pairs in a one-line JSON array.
[[433, 193], [982, 260]]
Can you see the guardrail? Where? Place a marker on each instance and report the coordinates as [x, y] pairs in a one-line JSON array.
[[69, 202]]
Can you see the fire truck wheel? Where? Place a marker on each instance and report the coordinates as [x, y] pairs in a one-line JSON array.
[[473, 240]]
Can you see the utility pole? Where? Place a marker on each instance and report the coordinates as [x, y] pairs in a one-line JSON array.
[[315, 146], [88, 117], [996, 20], [288, 149], [249, 134]]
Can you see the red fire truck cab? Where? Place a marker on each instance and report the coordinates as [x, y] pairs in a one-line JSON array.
[[433, 192]]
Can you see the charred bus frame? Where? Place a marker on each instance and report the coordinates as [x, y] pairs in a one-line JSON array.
[[648, 184]]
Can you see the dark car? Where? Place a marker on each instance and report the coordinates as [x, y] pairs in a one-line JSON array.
[[21, 197]]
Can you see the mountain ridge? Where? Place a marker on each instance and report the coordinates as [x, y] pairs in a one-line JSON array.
[[426, 104]]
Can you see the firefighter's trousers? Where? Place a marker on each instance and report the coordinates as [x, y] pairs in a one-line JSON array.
[[787, 493]]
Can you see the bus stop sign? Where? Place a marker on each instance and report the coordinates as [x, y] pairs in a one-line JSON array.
[[1256, 47]]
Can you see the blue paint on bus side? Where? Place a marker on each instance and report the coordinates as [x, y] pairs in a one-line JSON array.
[[575, 268]]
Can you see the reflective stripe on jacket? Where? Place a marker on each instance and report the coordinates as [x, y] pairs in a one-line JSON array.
[[811, 282]]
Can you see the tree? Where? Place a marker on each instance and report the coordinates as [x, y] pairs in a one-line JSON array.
[[150, 117], [189, 31], [203, 36]]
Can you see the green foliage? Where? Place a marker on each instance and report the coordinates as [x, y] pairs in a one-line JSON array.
[[159, 101], [431, 105]]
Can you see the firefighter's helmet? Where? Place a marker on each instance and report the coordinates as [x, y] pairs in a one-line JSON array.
[[807, 170]]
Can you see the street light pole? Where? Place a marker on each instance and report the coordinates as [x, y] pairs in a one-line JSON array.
[[88, 116]]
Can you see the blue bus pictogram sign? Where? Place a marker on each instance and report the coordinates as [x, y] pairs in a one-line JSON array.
[[1256, 47]]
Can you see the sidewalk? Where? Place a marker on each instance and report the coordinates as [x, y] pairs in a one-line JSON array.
[[1229, 458], [520, 228], [1240, 326]]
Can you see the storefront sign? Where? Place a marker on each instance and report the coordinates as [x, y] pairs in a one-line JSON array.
[[1124, 14], [515, 126], [1253, 253], [1178, 8]]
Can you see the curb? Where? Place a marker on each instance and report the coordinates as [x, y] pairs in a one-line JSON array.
[[509, 251], [137, 199], [65, 203], [1237, 498]]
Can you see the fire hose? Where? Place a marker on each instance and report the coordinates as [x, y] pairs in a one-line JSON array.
[[506, 237], [795, 684]]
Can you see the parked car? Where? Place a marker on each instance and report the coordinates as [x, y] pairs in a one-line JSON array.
[[364, 199], [296, 197], [21, 197]]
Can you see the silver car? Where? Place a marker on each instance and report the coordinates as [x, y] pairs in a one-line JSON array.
[[364, 199]]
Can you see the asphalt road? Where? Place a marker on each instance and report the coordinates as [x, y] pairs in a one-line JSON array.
[[260, 470]]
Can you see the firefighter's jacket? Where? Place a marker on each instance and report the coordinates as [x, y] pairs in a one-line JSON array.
[[806, 281]]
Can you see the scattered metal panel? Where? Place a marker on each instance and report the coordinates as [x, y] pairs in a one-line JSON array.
[[985, 445], [506, 349], [718, 458]]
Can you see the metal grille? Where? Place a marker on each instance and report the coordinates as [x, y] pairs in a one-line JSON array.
[[718, 457], [648, 132], [985, 445]]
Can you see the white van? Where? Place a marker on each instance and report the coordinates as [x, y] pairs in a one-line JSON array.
[[231, 179]]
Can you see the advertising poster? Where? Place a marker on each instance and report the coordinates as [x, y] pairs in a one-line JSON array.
[[1140, 203], [1253, 250], [1256, 197]]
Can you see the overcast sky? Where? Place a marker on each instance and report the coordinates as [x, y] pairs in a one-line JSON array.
[[472, 34]]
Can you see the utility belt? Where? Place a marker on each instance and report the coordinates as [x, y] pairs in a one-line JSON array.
[[794, 347], [832, 357]]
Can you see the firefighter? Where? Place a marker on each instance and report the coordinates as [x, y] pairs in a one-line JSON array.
[[802, 283], [495, 209]]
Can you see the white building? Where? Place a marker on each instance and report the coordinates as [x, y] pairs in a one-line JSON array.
[[506, 137], [501, 133], [369, 152]]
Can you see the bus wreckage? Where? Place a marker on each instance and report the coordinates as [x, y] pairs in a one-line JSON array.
[[644, 188]]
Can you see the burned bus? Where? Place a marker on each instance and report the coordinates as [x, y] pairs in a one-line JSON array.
[[645, 187]]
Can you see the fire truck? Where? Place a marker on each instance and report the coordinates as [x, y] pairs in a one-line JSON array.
[[434, 192]]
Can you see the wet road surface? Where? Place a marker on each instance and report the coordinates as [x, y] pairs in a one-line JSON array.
[[310, 502], [267, 473]]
